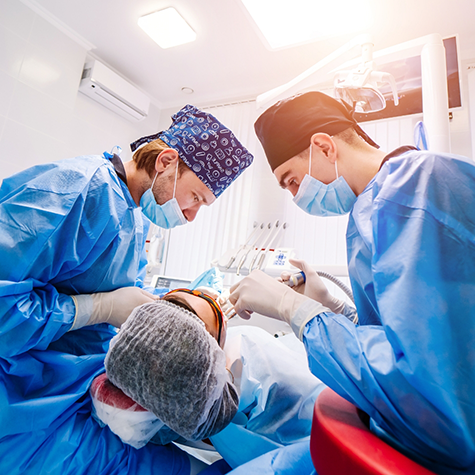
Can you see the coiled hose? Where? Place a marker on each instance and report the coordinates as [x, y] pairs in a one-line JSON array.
[[338, 283]]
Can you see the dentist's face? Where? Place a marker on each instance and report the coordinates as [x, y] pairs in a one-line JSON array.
[[291, 173], [190, 192]]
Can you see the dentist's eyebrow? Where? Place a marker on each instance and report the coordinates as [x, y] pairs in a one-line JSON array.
[[283, 178]]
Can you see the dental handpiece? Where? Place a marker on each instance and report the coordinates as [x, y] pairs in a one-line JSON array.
[[296, 279], [299, 278]]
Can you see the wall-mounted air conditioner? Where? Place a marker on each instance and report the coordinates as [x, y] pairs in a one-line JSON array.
[[109, 89]]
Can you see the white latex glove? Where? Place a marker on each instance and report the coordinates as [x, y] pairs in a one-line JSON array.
[[226, 306], [260, 293], [109, 307], [314, 287]]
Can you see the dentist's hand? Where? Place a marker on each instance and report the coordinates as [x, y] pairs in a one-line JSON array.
[[262, 294], [109, 307], [314, 287], [116, 306]]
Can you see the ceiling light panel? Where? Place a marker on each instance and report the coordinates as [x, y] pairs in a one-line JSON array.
[[167, 28], [286, 23]]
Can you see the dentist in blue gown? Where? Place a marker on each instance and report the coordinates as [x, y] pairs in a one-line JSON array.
[[72, 237], [410, 362]]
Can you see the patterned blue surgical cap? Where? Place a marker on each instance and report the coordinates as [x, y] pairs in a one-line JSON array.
[[208, 147]]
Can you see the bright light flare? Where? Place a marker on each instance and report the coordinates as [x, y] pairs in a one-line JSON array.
[[288, 23]]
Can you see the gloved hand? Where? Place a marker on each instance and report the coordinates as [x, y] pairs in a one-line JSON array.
[[226, 306], [260, 293], [109, 307], [314, 287]]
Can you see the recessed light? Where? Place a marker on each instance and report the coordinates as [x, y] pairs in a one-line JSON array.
[[187, 90], [283, 23], [167, 28]]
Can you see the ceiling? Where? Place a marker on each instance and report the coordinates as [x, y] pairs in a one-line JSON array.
[[228, 61]]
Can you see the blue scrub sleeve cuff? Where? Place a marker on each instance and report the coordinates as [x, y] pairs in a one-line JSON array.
[[83, 304], [350, 313], [308, 310]]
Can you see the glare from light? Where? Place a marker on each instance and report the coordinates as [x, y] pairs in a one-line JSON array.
[[290, 22], [167, 28]]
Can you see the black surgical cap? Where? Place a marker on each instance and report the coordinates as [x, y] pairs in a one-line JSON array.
[[286, 127]]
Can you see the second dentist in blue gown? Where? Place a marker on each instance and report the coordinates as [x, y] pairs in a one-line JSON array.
[[410, 363]]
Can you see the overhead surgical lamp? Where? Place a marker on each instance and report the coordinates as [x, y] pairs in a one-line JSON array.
[[359, 87], [434, 82]]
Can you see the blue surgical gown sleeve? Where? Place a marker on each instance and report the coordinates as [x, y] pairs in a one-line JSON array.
[[66, 228], [63, 226], [414, 373]]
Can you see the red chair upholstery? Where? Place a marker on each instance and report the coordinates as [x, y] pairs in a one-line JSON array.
[[340, 443]]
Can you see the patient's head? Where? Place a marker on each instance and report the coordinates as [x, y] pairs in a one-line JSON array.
[[205, 307], [165, 359]]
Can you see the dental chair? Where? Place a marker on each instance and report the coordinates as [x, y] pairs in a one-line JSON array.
[[342, 444]]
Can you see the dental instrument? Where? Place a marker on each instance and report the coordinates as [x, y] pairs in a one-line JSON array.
[[299, 278], [243, 246], [262, 233], [271, 243]]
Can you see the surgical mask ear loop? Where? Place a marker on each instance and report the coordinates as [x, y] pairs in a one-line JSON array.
[[153, 182], [176, 177], [174, 186], [336, 170], [310, 161]]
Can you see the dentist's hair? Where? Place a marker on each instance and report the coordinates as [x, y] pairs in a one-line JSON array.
[[146, 156], [349, 136]]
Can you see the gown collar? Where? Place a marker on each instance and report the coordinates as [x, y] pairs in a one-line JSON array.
[[118, 165], [395, 153]]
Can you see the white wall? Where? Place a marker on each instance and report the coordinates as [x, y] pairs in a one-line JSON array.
[[469, 69], [42, 115]]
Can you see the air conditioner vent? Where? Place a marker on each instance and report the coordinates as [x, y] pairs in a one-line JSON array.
[[105, 86]]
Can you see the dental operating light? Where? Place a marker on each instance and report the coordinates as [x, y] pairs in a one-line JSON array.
[[359, 87], [435, 102], [167, 28]]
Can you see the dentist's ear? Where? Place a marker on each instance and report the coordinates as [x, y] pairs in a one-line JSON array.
[[165, 158], [326, 145]]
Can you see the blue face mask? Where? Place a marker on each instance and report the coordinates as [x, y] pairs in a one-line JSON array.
[[167, 215], [318, 199]]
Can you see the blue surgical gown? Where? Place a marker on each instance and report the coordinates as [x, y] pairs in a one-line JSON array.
[[69, 227], [410, 364]]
